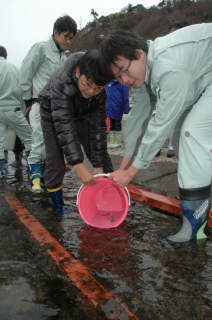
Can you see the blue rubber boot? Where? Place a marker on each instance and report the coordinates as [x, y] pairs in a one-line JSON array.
[[195, 218], [3, 170], [132, 203], [35, 173], [57, 200]]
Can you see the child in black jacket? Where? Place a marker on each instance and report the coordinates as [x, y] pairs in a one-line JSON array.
[[73, 113]]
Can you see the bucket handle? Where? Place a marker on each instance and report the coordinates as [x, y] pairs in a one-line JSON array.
[[102, 175]]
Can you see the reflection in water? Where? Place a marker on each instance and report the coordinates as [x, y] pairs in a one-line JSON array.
[[104, 248], [13, 303], [152, 280], [170, 282]]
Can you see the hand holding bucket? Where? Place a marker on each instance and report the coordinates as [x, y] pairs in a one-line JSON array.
[[104, 205]]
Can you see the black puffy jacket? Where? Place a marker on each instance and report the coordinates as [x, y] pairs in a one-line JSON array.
[[61, 102]]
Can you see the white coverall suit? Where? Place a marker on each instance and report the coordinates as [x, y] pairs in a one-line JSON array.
[[40, 62], [179, 75], [12, 107]]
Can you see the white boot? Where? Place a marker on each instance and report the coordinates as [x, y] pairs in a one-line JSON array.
[[117, 142], [112, 139]]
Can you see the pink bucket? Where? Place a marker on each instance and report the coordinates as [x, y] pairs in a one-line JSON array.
[[104, 205]]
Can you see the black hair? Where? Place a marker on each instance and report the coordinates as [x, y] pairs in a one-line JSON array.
[[3, 52], [185, 23], [120, 43], [89, 66], [65, 23], [175, 26]]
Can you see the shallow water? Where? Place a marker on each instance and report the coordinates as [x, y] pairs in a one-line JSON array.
[[153, 279]]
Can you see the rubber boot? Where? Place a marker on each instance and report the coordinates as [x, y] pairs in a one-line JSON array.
[[195, 206], [27, 153], [170, 153], [57, 200], [3, 170], [132, 203], [18, 160], [158, 154], [35, 173], [117, 141], [112, 139], [6, 156]]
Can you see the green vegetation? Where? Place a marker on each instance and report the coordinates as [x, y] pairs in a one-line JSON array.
[[148, 23]]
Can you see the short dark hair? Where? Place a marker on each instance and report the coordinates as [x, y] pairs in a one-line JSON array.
[[175, 26], [3, 52], [120, 43], [185, 23], [65, 23], [89, 66]]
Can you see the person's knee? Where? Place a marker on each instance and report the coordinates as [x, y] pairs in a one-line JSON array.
[[187, 133]]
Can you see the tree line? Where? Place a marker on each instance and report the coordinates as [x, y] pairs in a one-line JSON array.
[[149, 23]]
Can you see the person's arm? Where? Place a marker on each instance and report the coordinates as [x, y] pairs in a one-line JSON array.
[[63, 117], [9, 84], [173, 88], [137, 121], [84, 175], [29, 67], [123, 177], [126, 163]]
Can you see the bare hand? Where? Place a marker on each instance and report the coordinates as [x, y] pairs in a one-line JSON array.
[[84, 175], [120, 177], [123, 177]]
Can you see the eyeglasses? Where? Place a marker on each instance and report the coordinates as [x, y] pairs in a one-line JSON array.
[[67, 36], [124, 72], [86, 85]]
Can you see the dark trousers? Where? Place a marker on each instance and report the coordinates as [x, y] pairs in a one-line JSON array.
[[115, 125], [54, 164], [18, 146]]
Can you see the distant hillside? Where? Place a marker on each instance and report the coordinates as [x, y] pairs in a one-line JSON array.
[[148, 23]]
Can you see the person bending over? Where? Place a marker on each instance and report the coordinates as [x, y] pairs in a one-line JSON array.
[[73, 113]]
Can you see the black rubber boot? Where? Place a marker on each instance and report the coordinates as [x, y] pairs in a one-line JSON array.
[[18, 160], [6, 156]]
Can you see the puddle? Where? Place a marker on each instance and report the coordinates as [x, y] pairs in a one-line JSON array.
[[152, 280]]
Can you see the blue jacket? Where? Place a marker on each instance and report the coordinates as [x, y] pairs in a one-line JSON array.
[[117, 100]]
